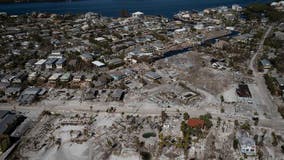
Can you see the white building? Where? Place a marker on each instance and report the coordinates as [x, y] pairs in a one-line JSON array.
[[199, 26], [237, 7], [55, 77], [100, 39], [138, 14], [98, 64], [56, 54], [247, 144], [40, 64], [181, 30]]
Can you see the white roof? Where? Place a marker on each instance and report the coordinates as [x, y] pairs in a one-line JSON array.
[[55, 76], [180, 30], [138, 13], [40, 62], [274, 4], [56, 52], [98, 63], [100, 39], [186, 15]]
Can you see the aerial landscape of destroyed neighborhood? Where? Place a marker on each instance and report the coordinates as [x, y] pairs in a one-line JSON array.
[[202, 85]]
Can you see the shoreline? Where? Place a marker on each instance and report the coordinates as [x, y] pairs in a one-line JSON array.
[[112, 8]]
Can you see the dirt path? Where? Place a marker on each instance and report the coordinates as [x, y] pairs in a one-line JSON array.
[[263, 94]]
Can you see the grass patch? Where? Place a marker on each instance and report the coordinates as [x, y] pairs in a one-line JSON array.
[[149, 134]]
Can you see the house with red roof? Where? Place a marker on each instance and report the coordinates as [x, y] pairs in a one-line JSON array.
[[195, 123]]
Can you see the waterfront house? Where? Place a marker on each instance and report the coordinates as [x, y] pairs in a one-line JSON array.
[[237, 7], [138, 14]]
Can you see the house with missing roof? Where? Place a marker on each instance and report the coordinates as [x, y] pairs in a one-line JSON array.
[[117, 95], [246, 143], [9, 121], [29, 95], [243, 93]]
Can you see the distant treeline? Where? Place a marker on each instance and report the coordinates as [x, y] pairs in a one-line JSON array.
[[260, 10]]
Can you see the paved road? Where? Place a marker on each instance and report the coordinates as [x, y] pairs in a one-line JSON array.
[[263, 94]]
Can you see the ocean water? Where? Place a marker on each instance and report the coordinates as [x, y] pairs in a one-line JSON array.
[[112, 8]]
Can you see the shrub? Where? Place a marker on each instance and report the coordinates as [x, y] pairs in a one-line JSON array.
[[149, 134], [246, 126], [146, 155], [235, 143]]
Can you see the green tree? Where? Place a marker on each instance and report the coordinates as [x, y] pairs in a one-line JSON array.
[[246, 126], [185, 116], [4, 142], [164, 116], [235, 143], [222, 98]]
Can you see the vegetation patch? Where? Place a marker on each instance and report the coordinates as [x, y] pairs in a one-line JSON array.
[[149, 134], [256, 10], [146, 155], [277, 62], [271, 84]]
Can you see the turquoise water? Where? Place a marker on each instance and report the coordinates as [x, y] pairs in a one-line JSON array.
[[112, 8]]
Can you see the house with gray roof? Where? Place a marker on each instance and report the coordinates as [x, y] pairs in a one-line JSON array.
[[266, 63], [152, 75]]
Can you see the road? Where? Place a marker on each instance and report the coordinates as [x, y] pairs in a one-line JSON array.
[[73, 107], [263, 94]]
